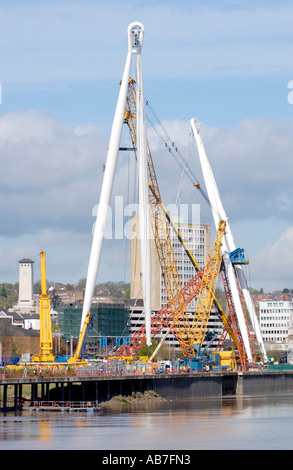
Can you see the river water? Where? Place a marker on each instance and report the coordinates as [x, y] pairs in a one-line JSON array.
[[228, 423]]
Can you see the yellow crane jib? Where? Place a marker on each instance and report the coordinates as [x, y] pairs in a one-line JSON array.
[[82, 339], [160, 227], [46, 342], [207, 289]]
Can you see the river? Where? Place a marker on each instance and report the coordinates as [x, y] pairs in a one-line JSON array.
[[229, 423]]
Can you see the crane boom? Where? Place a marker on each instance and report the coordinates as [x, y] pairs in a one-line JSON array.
[[207, 289], [217, 305], [206, 296], [164, 318], [198, 285], [82, 339], [160, 228], [234, 273], [187, 335]]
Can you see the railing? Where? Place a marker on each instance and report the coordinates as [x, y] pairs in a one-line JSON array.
[[51, 373], [80, 373], [64, 405]]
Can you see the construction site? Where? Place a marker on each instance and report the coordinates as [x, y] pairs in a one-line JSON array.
[[191, 309]]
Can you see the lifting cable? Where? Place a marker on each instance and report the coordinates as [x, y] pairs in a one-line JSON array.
[[174, 151]]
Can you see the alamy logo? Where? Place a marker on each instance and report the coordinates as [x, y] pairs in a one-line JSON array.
[[119, 224], [290, 95]]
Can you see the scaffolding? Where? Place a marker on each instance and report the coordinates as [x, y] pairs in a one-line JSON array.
[[110, 323]]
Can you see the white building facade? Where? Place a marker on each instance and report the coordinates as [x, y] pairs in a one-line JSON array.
[[275, 318]]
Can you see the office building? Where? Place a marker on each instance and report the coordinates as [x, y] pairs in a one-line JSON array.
[[275, 318]]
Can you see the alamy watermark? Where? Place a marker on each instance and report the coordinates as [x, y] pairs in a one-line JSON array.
[[290, 95], [121, 223]]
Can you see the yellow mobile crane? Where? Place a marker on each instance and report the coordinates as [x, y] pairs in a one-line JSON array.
[[46, 343]]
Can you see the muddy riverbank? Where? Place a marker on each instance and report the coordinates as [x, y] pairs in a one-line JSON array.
[[136, 399]]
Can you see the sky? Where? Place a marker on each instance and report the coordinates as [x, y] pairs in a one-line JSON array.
[[226, 63]]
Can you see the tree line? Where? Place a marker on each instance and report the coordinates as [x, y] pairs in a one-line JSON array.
[[117, 290]]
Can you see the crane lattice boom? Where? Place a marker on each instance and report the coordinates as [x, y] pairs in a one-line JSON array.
[[165, 318], [207, 289], [160, 231]]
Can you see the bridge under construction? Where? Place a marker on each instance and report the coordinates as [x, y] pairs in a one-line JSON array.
[[224, 261]]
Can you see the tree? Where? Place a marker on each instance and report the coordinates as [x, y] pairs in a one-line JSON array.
[[148, 350], [81, 284], [8, 295], [3, 291]]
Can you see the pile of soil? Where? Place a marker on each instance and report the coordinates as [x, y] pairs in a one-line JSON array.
[[135, 399]]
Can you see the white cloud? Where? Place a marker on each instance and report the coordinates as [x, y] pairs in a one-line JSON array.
[[49, 173], [51, 176], [252, 164], [50, 181], [273, 264], [66, 254]]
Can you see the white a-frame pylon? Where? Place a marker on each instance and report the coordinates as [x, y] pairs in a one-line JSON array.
[[135, 40], [228, 246]]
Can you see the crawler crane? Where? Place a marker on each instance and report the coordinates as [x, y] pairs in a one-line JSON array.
[[165, 318], [186, 334], [216, 303]]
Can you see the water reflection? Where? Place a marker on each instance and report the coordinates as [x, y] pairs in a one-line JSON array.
[[221, 423]]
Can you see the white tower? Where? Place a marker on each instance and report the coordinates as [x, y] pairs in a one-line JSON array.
[[26, 285], [135, 40]]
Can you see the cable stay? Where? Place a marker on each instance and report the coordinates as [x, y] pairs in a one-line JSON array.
[[184, 171], [173, 150]]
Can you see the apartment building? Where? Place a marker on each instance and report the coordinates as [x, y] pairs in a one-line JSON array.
[[275, 318]]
